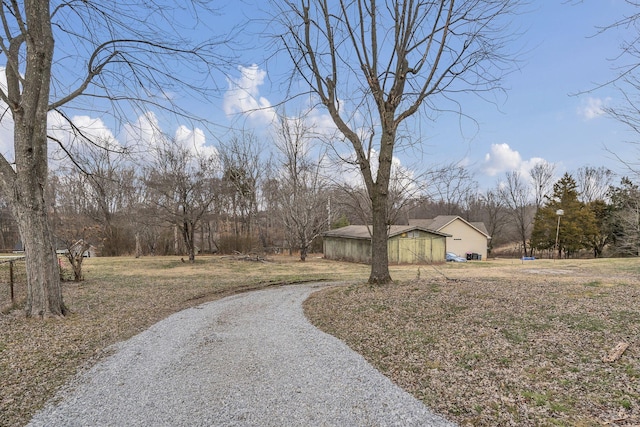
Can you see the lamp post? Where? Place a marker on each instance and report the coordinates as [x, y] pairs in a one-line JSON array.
[[559, 213]]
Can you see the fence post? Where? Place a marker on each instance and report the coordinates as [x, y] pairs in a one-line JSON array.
[[11, 282]]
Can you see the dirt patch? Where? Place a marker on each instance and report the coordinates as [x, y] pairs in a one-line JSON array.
[[547, 271]]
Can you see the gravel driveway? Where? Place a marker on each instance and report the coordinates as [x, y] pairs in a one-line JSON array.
[[247, 360]]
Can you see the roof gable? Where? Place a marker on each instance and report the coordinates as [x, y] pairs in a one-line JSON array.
[[441, 221], [364, 231]]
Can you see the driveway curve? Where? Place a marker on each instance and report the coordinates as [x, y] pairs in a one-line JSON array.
[[248, 360]]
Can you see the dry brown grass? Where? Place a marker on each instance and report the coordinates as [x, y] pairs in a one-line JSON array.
[[119, 298], [502, 342], [491, 343]]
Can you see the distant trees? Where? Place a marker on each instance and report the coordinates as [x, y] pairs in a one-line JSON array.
[[454, 186], [300, 190], [625, 212], [106, 184], [495, 216], [592, 219], [602, 233], [593, 183], [72, 223], [542, 177], [181, 182], [162, 208], [242, 170], [515, 193]]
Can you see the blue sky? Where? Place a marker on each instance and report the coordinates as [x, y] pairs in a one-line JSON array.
[[545, 115], [548, 111]]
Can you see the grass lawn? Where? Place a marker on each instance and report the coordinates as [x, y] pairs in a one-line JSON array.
[[502, 343], [489, 343]]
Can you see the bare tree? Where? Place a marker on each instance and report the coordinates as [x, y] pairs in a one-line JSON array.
[[182, 184], [149, 222], [73, 224], [76, 241], [389, 59], [625, 200], [453, 185], [593, 183], [301, 185], [494, 215], [515, 194], [542, 177], [106, 180], [104, 51], [242, 171]]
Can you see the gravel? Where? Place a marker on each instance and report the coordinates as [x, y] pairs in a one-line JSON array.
[[247, 360]]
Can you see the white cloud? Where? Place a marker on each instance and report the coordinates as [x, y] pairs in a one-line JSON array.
[[243, 96], [195, 141], [502, 158], [321, 123], [90, 127], [145, 131], [80, 137], [592, 108]]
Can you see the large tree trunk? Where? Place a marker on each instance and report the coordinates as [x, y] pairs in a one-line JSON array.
[[28, 99], [379, 194], [188, 235], [379, 249], [44, 292], [138, 245]]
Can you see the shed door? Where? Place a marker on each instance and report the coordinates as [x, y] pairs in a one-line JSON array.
[[413, 251]]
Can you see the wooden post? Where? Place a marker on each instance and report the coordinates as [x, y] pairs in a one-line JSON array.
[[11, 282]]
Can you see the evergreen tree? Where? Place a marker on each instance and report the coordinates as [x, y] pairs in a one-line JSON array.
[[576, 226]]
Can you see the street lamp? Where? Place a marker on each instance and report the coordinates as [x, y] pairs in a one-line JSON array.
[[559, 213]]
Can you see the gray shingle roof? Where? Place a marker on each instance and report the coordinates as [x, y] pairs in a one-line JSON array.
[[364, 231]]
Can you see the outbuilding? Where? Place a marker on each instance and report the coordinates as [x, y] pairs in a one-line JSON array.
[[407, 244], [464, 237]]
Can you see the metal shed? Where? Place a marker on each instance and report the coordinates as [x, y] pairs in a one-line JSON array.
[[406, 245]]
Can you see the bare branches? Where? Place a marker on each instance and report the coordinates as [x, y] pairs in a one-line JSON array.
[[299, 184], [515, 195], [393, 55], [543, 177], [593, 183], [182, 186]]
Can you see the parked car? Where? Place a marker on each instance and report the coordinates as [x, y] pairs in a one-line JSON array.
[[454, 258]]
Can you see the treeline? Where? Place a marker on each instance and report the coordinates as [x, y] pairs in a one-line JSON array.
[[585, 213], [234, 199]]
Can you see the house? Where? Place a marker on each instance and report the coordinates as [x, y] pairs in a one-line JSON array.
[[406, 245], [464, 237]]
